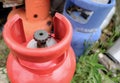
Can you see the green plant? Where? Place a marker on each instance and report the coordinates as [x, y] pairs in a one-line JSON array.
[[3, 53], [116, 79], [87, 69]]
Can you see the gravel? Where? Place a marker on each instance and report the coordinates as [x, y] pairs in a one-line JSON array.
[[3, 76]]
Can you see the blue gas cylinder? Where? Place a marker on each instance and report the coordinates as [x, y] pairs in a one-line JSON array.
[[86, 17]]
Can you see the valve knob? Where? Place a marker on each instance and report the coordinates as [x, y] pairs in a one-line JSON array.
[[41, 37]]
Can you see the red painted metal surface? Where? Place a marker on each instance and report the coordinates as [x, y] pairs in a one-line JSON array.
[[35, 16], [54, 64]]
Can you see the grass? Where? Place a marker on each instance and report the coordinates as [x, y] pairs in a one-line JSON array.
[[87, 70], [3, 53]]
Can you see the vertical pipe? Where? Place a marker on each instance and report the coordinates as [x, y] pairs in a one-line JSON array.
[[37, 9]]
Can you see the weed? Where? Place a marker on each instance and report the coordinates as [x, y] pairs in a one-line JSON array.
[[87, 69]]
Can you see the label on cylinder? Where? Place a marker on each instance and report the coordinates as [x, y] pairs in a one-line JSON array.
[[101, 1]]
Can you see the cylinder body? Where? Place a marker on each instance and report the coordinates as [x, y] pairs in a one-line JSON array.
[[81, 41]]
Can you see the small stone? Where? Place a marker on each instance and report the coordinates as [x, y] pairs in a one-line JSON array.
[[4, 70], [3, 78]]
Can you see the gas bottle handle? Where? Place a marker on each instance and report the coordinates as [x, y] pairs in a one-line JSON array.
[[17, 26], [93, 6]]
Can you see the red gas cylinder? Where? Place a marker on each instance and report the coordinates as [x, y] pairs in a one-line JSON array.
[[53, 64]]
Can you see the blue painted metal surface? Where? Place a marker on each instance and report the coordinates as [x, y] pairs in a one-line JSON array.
[[86, 20], [95, 19], [81, 40]]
